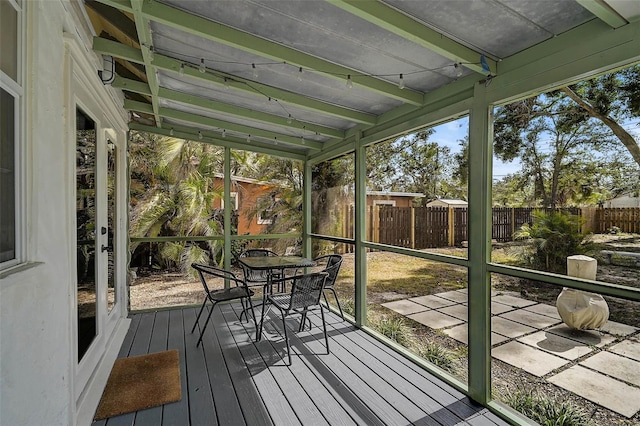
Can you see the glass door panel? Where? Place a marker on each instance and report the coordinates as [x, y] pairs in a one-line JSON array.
[[111, 223], [86, 231]]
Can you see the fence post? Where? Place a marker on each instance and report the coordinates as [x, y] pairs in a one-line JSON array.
[[413, 227], [452, 226]]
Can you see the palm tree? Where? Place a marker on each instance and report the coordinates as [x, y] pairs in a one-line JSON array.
[[172, 193]]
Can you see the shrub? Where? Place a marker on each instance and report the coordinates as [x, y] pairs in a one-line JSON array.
[[395, 329], [551, 239], [547, 412], [438, 356], [348, 307]]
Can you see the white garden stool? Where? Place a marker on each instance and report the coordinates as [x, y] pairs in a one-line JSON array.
[[578, 309]]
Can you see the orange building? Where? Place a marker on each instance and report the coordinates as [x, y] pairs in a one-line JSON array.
[[245, 193]]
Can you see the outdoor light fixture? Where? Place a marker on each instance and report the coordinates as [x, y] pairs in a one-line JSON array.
[[181, 71], [200, 135], [299, 77], [458, 68], [289, 119], [349, 82], [401, 82], [224, 133], [201, 67], [255, 71], [108, 72]]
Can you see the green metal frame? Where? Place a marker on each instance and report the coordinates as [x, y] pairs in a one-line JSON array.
[[585, 51]]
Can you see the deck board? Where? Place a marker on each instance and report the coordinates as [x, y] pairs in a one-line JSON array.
[[232, 380]]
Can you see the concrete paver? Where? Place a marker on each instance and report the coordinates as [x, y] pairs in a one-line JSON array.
[[598, 388], [527, 358], [458, 311], [405, 307], [618, 329], [516, 302], [461, 334], [629, 348], [509, 328], [557, 345], [454, 295], [500, 308], [616, 366], [539, 343], [530, 318], [435, 319], [432, 301], [542, 309], [588, 337]]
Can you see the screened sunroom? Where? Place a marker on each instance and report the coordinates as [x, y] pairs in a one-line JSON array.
[[358, 128]]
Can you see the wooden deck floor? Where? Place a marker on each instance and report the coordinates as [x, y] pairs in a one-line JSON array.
[[230, 380]]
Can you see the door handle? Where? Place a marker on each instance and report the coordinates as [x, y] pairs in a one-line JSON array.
[[104, 248]]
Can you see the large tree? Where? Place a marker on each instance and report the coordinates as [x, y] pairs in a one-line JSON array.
[[611, 98], [559, 143], [414, 163]]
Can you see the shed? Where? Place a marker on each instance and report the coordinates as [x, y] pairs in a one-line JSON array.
[[443, 202]]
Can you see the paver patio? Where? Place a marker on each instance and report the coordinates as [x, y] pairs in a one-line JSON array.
[[532, 337]]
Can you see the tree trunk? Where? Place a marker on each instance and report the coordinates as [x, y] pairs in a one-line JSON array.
[[628, 140]]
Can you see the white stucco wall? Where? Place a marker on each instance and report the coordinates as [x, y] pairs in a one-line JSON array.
[[36, 305]]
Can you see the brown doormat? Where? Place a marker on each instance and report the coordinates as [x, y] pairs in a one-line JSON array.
[[141, 382]]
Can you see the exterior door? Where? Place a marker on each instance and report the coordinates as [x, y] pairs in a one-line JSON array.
[[96, 240]]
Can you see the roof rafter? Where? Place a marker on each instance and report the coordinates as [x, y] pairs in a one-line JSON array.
[[400, 24], [230, 36], [162, 62], [217, 106], [144, 37], [226, 125], [603, 11], [188, 133]]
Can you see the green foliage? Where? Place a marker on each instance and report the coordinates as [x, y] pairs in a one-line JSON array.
[[551, 238], [348, 307], [395, 329], [547, 412], [438, 356], [571, 142]]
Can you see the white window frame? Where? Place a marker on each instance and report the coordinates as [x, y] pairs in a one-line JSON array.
[[261, 220], [15, 89], [234, 195]]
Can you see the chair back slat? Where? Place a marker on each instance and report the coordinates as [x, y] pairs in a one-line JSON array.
[[207, 272], [307, 290], [332, 263]]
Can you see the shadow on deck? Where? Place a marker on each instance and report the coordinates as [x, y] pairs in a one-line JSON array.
[[231, 380]]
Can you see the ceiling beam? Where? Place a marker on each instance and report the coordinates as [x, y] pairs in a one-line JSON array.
[[406, 27], [202, 27], [166, 63], [216, 106], [146, 43], [226, 125], [191, 134], [606, 13], [116, 21]]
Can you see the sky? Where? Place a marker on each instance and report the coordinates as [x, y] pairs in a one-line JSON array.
[[448, 134]]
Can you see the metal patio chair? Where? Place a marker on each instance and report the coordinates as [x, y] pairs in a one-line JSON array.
[[304, 296], [238, 290], [332, 264]]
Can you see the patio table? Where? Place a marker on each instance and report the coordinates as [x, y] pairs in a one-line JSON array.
[[271, 263]]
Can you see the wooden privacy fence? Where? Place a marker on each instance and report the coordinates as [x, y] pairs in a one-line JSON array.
[[626, 219], [430, 227]]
